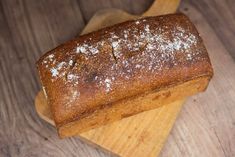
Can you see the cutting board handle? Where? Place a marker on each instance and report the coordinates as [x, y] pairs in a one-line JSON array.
[[160, 7]]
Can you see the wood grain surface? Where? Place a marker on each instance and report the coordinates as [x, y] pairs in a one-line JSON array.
[[28, 28]]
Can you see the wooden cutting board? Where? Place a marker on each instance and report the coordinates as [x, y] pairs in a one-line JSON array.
[[144, 134]]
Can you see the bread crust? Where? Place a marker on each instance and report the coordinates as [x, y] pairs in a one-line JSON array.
[[87, 74]]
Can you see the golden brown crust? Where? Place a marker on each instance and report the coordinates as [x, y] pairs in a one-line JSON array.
[[134, 105], [121, 61]]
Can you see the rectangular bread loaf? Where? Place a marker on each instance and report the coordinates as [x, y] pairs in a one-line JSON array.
[[122, 70]]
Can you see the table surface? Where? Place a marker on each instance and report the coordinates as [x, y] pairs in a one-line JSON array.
[[28, 28]]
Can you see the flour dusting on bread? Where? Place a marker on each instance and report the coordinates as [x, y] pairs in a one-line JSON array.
[[144, 45], [96, 71]]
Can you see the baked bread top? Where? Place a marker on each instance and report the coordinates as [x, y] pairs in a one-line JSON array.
[[121, 61]]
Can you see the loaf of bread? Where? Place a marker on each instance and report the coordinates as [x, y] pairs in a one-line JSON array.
[[122, 70]]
